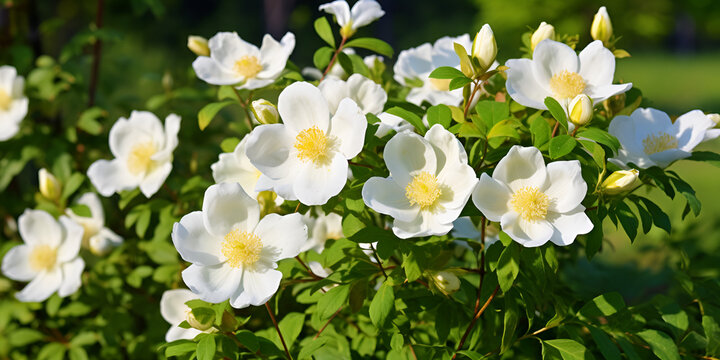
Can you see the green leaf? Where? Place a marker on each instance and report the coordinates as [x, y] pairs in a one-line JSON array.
[[472, 355], [77, 353], [446, 72], [206, 348], [81, 210], [72, 184], [557, 111], [711, 326], [345, 62], [88, 120], [311, 347], [510, 321], [208, 112], [600, 137], [229, 144], [331, 301], [605, 344], [410, 117], [322, 57], [662, 344], [561, 145], [181, 347], [492, 112], [508, 266], [706, 156], [204, 315], [504, 128], [688, 192], [439, 114], [540, 130], [603, 306], [322, 28], [459, 82], [569, 349], [291, 326], [382, 305], [373, 44], [248, 340], [627, 219], [24, 336], [660, 218], [628, 349]]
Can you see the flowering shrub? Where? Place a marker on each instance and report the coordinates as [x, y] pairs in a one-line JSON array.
[[356, 212]]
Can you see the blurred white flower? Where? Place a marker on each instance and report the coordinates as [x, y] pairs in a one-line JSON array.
[[234, 255], [649, 138], [390, 122], [96, 237], [49, 185], [372, 60], [198, 45], [321, 228], [174, 311], [322, 272], [557, 71], [48, 258], [430, 181], [233, 61], [464, 228], [363, 13], [534, 203], [143, 154], [306, 156], [367, 94], [13, 104]]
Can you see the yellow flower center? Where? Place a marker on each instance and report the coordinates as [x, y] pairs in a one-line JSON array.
[[567, 85], [313, 145], [440, 84], [530, 203], [423, 190], [241, 248], [139, 158], [5, 100], [658, 143], [248, 66], [43, 257]]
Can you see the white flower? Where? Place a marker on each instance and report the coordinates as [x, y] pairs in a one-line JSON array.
[[96, 237], [414, 65], [372, 60], [306, 156], [430, 181], [557, 71], [321, 228], [649, 138], [464, 228], [174, 311], [48, 258], [363, 13], [367, 94], [234, 255], [390, 122], [234, 61], [143, 154], [322, 272], [534, 203], [713, 131], [13, 104]]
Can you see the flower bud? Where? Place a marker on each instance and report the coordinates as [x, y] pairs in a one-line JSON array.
[[100, 245], [544, 31], [601, 28], [195, 323], [581, 110], [49, 185], [621, 181], [715, 118], [198, 45], [484, 47], [265, 112], [446, 282]]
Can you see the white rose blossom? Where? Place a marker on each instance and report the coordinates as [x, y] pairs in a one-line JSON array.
[[390, 122], [321, 228], [233, 61], [532, 202], [362, 13], [48, 258], [233, 252], [649, 138], [174, 311], [429, 184], [367, 94], [13, 104], [306, 157], [96, 237], [557, 71], [143, 152]]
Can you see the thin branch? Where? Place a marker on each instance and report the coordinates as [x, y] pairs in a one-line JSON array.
[[474, 319], [332, 61], [362, 165], [277, 328], [97, 48], [472, 94], [377, 258], [327, 323], [555, 129]]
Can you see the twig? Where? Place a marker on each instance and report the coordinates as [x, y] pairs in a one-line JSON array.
[[314, 276], [277, 328], [474, 319], [472, 94], [555, 129], [378, 261], [327, 323], [97, 47], [363, 165], [245, 105], [332, 61]]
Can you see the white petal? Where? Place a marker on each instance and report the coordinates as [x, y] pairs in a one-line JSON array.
[[491, 197], [71, 277], [172, 127], [390, 122], [569, 225], [177, 333], [282, 236], [566, 186], [665, 158], [368, 94], [72, 238], [334, 90], [408, 154], [443, 53], [301, 106], [527, 233], [8, 128], [597, 64], [257, 288], [348, 126], [252, 84], [602, 93], [522, 166], [552, 57], [41, 287], [458, 182], [413, 63], [16, 263], [214, 283], [522, 85], [155, 178], [194, 243], [38, 227], [226, 48], [172, 305], [226, 207], [274, 55], [141, 127], [7, 77], [283, 188], [340, 9], [448, 148], [385, 196], [211, 72], [690, 129], [315, 185], [92, 201], [623, 128], [111, 176], [364, 12], [268, 148]]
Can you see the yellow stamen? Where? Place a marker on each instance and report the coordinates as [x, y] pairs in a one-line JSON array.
[[43, 257], [531, 203], [567, 85], [440, 84], [139, 159], [241, 248], [248, 66], [5, 100], [313, 145], [423, 190], [659, 143]]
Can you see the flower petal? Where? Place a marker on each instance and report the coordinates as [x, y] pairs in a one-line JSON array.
[[334, 90], [667, 157], [211, 72], [71, 277], [601, 93], [349, 125], [448, 148], [408, 154], [690, 129], [491, 197], [569, 225], [368, 94], [111, 176], [41, 287], [523, 87], [177, 333], [194, 243], [16, 263], [257, 288], [215, 283], [301, 106], [274, 55], [522, 166], [92, 201], [227, 207], [72, 238], [340, 9], [597, 64], [37, 227], [566, 186], [385, 196], [315, 185], [172, 305], [268, 148], [172, 127], [154, 179], [551, 57], [364, 12], [458, 184], [413, 63], [142, 127], [227, 47], [527, 233], [282, 236]]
